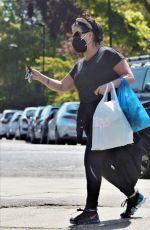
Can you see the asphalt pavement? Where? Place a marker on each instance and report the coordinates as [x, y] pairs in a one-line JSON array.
[[46, 195]]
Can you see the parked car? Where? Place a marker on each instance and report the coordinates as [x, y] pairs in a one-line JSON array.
[[12, 126], [41, 127], [33, 123], [141, 69], [4, 121], [62, 128], [22, 129]]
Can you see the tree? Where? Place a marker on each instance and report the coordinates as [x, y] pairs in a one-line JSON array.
[[130, 23], [19, 20], [15, 92]]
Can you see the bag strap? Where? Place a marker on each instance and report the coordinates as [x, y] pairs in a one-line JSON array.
[[105, 96], [114, 95]]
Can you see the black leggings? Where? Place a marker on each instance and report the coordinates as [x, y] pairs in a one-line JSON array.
[[121, 166]]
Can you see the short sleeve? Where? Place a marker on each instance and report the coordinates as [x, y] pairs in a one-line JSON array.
[[73, 71], [113, 57]]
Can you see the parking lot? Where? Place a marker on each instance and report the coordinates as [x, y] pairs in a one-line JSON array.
[[48, 181]]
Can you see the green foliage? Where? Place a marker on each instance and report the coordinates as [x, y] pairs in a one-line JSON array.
[[130, 23], [15, 92], [138, 26], [130, 31], [57, 68]]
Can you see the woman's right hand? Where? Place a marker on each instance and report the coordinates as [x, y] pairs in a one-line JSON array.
[[35, 74]]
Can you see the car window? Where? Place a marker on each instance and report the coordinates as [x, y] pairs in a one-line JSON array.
[[30, 113], [147, 78], [38, 112], [54, 109], [72, 108], [8, 115], [45, 112], [14, 116], [139, 74]]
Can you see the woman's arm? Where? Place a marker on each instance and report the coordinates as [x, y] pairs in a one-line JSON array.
[[122, 69], [65, 84]]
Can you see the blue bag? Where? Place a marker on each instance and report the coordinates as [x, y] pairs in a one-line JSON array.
[[132, 107]]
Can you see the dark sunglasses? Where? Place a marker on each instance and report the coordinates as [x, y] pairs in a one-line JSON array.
[[79, 33]]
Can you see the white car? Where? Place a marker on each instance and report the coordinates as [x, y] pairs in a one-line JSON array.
[[13, 124], [4, 121], [62, 128], [22, 129]]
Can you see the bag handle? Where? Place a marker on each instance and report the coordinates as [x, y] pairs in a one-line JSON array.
[[105, 96], [113, 94]]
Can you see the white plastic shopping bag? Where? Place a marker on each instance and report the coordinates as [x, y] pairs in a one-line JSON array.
[[110, 127]]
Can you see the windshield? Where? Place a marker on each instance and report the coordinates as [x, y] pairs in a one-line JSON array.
[[72, 108], [8, 116], [30, 113]]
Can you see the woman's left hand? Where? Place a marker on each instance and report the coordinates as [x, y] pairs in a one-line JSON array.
[[101, 89]]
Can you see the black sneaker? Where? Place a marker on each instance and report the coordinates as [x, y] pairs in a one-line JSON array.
[[133, 204], [86, 217]]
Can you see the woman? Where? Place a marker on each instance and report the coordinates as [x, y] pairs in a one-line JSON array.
[[100, 65]]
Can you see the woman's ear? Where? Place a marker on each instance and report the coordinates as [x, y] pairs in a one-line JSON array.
[[91, 36]]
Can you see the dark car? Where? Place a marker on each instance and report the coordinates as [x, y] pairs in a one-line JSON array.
[[41, 128], [33, 123], [141, 69]]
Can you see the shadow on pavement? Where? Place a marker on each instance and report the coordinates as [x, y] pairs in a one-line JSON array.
[[104, 225]]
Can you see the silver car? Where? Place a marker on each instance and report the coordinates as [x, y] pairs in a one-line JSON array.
[[33, 123], [4, 121], [22, 129], [12, 126], [62, 128]]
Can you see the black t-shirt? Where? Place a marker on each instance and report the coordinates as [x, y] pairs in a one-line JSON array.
[[88, 75]]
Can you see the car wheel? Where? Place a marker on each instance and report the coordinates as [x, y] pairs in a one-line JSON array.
[[22, 137], [72, 142], [33, 139], [27, 137], [43, 139], [58, 140], [83, 142], [9, 137], [145, 166], [145, 148], [49, 141]]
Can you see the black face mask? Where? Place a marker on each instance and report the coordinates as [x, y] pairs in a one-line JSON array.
[[79, 44]]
